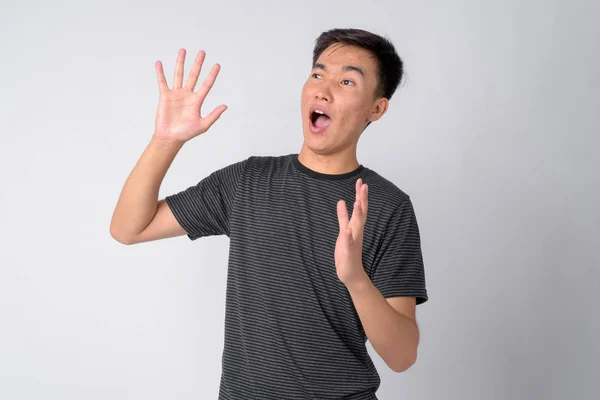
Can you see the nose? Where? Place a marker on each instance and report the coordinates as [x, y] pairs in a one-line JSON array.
[[322, 96], [324, 92]]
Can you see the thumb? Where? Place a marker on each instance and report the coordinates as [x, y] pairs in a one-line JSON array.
[[214, 115], [342, 214], [346, 237]]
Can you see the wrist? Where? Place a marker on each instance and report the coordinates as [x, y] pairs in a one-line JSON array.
[[168, 144], [360, 283]]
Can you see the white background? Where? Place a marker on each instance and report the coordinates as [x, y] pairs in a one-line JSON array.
[[494, 135]]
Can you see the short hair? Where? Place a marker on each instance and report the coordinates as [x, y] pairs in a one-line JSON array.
[[389, 63]]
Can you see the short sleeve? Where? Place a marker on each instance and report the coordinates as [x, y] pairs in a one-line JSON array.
[[205, 208], [398, 268]]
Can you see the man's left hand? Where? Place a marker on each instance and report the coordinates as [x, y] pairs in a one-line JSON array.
[[348, 248]]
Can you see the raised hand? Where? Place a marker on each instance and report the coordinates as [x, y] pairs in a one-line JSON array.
[[178, 116], [348, 248]]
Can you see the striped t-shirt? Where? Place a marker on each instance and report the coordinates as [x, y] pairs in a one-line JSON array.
[[291, 329]]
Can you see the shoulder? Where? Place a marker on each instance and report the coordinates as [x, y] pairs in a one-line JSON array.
[[385, 190]]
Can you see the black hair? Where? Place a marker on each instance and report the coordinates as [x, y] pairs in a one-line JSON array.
[[389, 63]]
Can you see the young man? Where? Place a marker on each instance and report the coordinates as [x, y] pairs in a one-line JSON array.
[[324, 252]]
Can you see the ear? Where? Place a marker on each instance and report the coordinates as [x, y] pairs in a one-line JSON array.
[[379, 108]]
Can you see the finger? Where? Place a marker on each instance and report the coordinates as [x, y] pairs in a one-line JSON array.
[[214, 115], [195, 71], [160, 76], [357, 222], [365, 199], [357, 214], [358, 186], [178, 76], [209, 81], [342, 214]]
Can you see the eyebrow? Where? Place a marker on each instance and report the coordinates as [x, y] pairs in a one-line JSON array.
[[344, 68]]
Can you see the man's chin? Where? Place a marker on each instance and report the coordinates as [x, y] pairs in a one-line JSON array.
[[315, 142], [318, 147]]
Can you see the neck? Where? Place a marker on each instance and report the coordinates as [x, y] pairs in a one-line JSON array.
[[334, 163]]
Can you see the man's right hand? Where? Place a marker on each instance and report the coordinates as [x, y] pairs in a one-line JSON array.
[[178, 116]]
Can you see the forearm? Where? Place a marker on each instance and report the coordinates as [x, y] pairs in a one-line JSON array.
[[139, 197], [394, 336]]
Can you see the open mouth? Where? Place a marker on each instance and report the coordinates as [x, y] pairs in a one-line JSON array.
[[319, 120]]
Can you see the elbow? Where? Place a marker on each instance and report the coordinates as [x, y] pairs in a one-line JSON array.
[[401, 368], [119, 237], [403, 363]]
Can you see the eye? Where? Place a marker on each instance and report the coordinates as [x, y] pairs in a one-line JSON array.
[[313, 75], [348, 80]]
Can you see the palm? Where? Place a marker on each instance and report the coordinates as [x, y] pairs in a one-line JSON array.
[[178, 116], [348, 247], [346, 251]]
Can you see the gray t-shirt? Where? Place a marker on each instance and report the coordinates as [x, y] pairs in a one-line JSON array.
[[291, 329]]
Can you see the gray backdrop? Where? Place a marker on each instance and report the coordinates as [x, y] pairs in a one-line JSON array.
[[491, 135]]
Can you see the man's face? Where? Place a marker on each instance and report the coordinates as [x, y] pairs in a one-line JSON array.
[[342, 86]]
